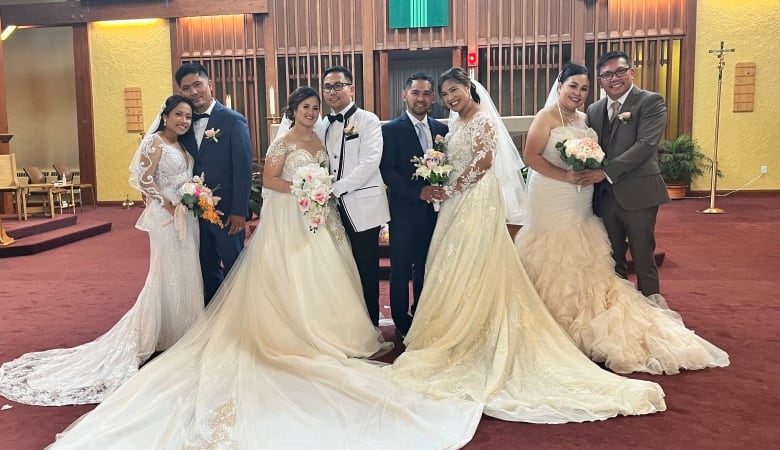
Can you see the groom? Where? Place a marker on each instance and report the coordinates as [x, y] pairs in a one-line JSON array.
[[412, 215], [630, 123], [353, 138], [219, 142]]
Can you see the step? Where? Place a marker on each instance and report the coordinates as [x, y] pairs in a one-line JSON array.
[[58, 237], [21, 229]]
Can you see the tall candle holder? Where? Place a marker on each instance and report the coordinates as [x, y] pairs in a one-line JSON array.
[[721, 54]]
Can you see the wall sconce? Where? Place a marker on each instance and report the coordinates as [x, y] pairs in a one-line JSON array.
[[7, 32]]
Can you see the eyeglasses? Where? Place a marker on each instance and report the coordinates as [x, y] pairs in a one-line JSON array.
[[338, 87], [619, 72]]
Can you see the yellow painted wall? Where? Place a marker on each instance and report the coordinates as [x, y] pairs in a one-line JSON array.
[[746, 140], [125, 54]]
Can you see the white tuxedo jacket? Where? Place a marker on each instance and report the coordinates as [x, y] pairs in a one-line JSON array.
[[354, 164]]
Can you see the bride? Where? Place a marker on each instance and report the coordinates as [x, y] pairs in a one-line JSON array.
[[565, 249], [267, 365], [481, 332], [163, 311]]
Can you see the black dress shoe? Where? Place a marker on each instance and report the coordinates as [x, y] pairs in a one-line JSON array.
[[400, 334]]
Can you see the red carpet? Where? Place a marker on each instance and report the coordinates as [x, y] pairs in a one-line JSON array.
[[720, 273]]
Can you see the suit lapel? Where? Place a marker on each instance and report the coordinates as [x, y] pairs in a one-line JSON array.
[[630, 100]]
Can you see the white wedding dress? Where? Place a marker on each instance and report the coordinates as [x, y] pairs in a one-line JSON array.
[[170, 301], [267, 366], [481, 332], [566, 252]]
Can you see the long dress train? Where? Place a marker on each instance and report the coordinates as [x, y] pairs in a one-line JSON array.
[[481, 332], [267, 365], [166, 307], [566, 252]]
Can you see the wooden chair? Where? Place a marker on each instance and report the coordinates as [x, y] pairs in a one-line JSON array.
[[63, 169], [9, 182], [40, 187]]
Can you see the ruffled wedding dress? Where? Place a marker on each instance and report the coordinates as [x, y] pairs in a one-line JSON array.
[[170, 301], [481, 332], [566, 252], [267, 365]]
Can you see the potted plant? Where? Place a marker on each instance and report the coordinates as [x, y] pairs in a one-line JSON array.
[[681, 161]]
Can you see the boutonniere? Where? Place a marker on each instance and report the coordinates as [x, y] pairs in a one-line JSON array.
[[624, 116], [212, 134], [351, 131]]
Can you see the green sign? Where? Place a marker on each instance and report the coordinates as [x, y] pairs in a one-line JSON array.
[[418, 13]]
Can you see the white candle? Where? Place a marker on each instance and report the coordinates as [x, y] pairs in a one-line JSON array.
[[229, 101], [272, 100]]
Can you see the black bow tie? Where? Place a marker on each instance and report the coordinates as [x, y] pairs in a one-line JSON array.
[[198, 116], [335, 117]]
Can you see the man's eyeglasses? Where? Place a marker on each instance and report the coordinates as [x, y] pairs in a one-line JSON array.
[[335, 87], [619, 72]]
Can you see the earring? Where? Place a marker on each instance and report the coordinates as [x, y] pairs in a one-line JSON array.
[[165, 122]]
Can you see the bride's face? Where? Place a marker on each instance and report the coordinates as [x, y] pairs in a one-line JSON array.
[[573, 91], [307, 112], [455, 95], [179, 119]]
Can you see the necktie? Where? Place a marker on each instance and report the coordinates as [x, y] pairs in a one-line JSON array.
[[198, 116], [334, 117], [615, 111], [421, 135]]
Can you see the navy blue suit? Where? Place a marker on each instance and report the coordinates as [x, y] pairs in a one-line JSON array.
[[411, 220], [227, 165]]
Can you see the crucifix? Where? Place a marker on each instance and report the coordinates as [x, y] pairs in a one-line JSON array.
[[721, 55]]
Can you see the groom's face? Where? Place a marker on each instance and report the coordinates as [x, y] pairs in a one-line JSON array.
[[337, 99], [616, 77], [197, 88]]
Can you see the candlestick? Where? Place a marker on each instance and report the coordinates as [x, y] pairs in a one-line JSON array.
[[272, 101]]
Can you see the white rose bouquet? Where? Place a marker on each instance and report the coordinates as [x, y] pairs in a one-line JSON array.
[[432, 166], [312, 185], [582, 154]]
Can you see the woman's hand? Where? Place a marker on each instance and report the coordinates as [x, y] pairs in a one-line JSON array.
[[169, 207]]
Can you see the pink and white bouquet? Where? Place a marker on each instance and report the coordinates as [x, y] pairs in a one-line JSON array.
[[312, 185], [200, 199], [432, 166], [581, 154]]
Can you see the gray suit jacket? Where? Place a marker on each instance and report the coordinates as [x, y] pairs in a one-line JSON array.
[[632, 149]]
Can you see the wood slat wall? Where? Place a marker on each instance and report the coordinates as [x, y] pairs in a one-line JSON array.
[[522, 44]]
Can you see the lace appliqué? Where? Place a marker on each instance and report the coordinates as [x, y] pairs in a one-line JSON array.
[[471, 147], [217, 428]]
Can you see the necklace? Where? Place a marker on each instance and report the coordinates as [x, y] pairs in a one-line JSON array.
[[568, 118], [305, 139]]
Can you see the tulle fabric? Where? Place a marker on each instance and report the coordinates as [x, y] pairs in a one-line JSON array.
[[567, 254], [481, 332], [170, 301], [267, 366]]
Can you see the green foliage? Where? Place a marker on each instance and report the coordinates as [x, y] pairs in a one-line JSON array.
[[681, 161], [256, 197]]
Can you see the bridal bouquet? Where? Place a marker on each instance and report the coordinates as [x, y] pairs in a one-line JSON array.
[[200, 199], [311, 184], [582, 154], [432, 166]]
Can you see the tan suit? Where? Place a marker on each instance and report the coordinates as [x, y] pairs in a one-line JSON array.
[[629, 204]]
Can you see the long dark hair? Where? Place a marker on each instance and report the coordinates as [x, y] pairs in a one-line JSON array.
[[459, 76], [295, 99], [170, 103]]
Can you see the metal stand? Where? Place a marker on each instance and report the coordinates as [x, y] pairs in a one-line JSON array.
[[721, 63]]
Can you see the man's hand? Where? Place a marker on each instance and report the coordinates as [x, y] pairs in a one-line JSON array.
[[431, 193], [235, 224], [588, 177]]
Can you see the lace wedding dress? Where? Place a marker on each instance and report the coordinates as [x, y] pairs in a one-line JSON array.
[[481, 332], [566, 252], [170, 301], [267, 367]]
